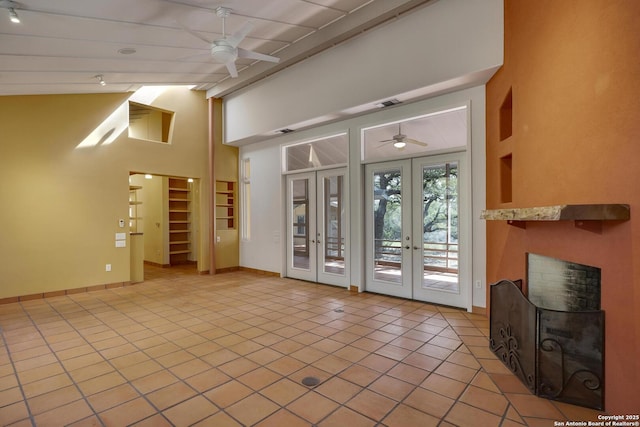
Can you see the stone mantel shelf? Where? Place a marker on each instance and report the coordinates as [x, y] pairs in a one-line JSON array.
[[596, 212]]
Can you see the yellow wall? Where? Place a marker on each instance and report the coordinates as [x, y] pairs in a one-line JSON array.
[[225, 169], [62, 195]]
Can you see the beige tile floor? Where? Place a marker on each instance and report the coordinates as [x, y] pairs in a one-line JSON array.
[[229, 350]]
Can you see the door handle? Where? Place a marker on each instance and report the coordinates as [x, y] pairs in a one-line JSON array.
[[407, 247], [416, 248]]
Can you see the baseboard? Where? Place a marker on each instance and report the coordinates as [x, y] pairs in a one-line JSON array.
[[479, 310], [227, 270], [260, 272], [63, 292], [155, 264]]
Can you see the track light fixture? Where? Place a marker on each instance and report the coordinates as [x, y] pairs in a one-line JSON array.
[[100, 78], [13, 16], [11, 6]]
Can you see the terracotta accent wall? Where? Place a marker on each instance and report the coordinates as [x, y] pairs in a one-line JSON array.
[[573, 70]]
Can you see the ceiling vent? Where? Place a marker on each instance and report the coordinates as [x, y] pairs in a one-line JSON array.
[[388, 103]]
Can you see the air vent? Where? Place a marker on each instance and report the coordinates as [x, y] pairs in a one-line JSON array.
[[287, 130], [387, 103]]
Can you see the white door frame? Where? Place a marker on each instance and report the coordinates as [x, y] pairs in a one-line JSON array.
[[316, 222], [375, 282], [410, 285]]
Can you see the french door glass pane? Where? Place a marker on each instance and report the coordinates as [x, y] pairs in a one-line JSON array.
[[387, 225], [300, 223], [334, 227], [440, 227]]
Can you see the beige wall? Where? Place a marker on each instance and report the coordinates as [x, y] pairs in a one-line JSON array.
[[61, 203], [225, 164]]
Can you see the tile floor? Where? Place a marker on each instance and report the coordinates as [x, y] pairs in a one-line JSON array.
[[229, 350]]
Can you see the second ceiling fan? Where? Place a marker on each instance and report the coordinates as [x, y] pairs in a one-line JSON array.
[[401, 140]]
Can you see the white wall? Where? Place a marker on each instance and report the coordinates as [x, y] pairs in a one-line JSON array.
[[446, 45], [265, 249]]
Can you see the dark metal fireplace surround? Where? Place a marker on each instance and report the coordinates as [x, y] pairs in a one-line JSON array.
[[553, 340]]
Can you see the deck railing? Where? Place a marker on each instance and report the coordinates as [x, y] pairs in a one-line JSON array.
[[436, 256]]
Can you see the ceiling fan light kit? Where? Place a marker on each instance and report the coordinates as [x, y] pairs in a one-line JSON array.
[[223, 53], [399, 144], [400, 140]]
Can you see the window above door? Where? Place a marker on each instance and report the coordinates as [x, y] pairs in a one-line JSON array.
[[434, 132], [316, 154]]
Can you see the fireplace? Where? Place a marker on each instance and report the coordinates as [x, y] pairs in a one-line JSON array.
[[552, 337]]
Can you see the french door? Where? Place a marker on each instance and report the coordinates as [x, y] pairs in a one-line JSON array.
[[317, 226], [417, 228]]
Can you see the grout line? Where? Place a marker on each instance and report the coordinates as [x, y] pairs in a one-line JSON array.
[[15, 373], [242, 307]]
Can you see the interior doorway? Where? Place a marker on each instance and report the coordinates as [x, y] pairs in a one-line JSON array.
[[163, 221]]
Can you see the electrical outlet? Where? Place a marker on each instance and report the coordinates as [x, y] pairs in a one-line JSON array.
[[107, 267], [478, 284]]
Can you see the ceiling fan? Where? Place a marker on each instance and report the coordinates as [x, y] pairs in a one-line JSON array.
[[225, 50], [401, 140]]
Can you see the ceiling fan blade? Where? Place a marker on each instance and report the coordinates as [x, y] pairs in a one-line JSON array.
[[387, 140], [413, 141], [193, 33], [244, 53], [235, 39], [231, 66]]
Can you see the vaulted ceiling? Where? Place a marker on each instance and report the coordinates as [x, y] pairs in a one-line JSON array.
[[63, 46]]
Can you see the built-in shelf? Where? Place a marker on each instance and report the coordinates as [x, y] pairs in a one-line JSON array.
[[134, 218], [179, 199], [225, 205]]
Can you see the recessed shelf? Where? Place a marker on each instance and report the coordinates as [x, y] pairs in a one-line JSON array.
[[506, 179], [179, 200], [506, 116], [225, 205]]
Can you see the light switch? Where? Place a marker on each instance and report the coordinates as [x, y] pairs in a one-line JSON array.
[[121, 236], [121, 243]]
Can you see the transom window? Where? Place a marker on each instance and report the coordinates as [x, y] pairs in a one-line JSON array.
[[316, 154]]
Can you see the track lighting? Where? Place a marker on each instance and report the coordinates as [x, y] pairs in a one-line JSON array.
[[10, 5], [13, 16], [100, 78]]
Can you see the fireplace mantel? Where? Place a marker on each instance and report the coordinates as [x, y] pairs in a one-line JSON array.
[[578, 213]]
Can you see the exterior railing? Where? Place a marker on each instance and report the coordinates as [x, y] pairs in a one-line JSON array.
[[436, 256]]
